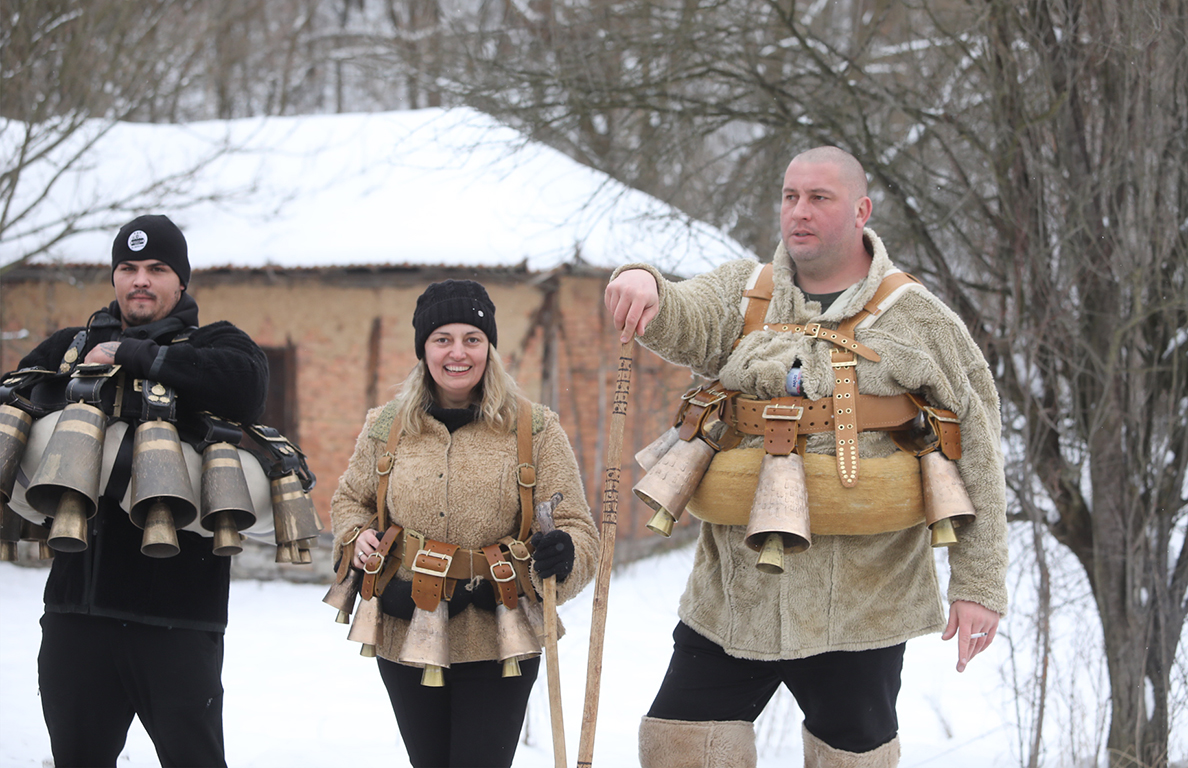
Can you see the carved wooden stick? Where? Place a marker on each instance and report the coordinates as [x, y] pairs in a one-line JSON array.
[[606, 558]]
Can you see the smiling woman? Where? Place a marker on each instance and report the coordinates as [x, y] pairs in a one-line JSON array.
[[456, 558]]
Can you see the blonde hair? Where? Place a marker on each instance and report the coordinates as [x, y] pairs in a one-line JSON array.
[[498, 402]]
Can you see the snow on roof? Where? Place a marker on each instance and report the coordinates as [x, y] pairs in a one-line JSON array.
[[430, 186]]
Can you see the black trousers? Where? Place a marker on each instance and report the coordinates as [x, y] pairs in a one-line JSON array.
[[473, 721], [848, 697], [96, 673]]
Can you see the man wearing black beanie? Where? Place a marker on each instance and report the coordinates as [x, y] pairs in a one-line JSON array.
[[125, 634]]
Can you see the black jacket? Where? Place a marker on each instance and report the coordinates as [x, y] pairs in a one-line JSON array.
[[217, 368]]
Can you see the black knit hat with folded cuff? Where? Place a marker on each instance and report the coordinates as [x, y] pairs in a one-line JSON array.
[[148, 238], [453, 301]]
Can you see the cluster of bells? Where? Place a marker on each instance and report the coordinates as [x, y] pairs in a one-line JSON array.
[[65, 487], [426, 644], [779, 520]]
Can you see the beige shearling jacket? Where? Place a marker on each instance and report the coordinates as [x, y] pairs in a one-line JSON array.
[[845, 592], [461, 488]]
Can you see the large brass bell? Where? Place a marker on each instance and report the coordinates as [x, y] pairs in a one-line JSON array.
[[31, 531], [294, 519], [365, 630], [515, 638], [343, 594], [162, 497], [15, 426], [427, 644], [779, 522], [671, 482], [66, 483], [10, 533], [946, 502], [226, 502], [655, 450]]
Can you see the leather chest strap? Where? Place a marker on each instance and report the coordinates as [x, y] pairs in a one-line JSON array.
[[845, 415], [526, 470], [430, 566], [503, 576]]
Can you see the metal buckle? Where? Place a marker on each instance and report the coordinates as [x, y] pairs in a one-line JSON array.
[[355, 535], [95, 370], [690, 394], [519, 551], [799, 412], [520, 475], [510, 569], [946, 419], [813, 329], [716, 396], [379, 566], [391, 463], [449, 559]]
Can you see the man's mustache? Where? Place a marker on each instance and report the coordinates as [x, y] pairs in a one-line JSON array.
[[142, 295]]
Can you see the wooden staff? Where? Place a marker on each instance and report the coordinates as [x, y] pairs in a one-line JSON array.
[[544, 518], [606, 555]]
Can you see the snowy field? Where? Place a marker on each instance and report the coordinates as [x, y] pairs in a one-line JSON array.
[[287, 663]]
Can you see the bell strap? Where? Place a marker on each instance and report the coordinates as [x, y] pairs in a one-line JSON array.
[[781, 422], [430, 565], [696, 407], [373, 566], [503, 576], [944, 423]]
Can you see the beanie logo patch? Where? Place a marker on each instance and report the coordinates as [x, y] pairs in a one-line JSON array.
[[137, 240]]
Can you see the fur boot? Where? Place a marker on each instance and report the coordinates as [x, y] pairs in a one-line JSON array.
[[702, 744], [818, 754]]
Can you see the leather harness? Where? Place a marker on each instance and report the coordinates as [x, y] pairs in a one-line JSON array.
[[438, 566], [784, 421]]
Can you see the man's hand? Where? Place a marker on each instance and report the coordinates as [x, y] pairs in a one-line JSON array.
[[633, 299], [103, 353], [975, 627]]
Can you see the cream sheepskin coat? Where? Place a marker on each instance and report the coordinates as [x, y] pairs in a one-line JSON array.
[[461, 488], [846, 593]]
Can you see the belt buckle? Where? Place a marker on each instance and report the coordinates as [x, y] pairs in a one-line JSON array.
[[511, 572], [716, 396], [378, 566], [417, 568], [813, 329], [780, 417]]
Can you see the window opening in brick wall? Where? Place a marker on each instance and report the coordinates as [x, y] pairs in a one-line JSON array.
[[280, 409]]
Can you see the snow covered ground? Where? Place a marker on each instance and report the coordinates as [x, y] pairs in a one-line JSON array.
[[287, 665]]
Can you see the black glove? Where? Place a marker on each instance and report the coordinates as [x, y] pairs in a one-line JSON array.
[[397, 600], [553, 555]]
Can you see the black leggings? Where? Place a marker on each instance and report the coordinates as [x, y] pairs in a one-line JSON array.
[[848, 697], [95, 674], [473, 721]]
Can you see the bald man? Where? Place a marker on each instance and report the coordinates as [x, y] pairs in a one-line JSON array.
[[832, 626]]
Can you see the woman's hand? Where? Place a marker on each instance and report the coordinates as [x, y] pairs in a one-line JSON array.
[[553, 555], [366, 543]]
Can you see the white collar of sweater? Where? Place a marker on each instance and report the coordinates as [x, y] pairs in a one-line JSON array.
[[788, 301]]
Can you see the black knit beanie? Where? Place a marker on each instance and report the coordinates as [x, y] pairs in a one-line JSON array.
[[152, 237], [453, 301]]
